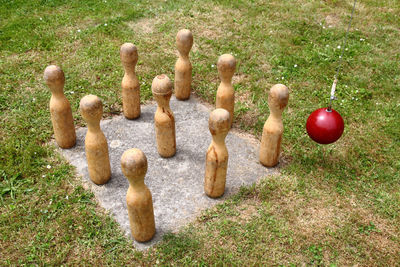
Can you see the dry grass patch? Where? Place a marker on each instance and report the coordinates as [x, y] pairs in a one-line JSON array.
[[213, 23], [248, 119], [143, 26], [332, 221], [210, 28], [332, 20], [266, 67], [246, 211], [10, 250], [244, 101], [239, 78], [245, 97]]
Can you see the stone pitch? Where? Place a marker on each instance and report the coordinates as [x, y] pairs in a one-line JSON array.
[[176, 183]]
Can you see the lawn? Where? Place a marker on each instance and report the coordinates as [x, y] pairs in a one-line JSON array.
[[329, 205]]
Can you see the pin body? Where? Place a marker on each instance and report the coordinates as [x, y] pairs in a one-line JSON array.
[[96, 147], [164, 118], [138, 198], [130, 83], [225, 94], [183, 67], [273, 128], [217, 154], [60, 108]]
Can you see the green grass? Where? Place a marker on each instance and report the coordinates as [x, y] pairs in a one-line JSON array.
[[330, 205]]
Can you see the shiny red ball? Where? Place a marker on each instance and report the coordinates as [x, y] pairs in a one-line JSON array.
[[324, 126]]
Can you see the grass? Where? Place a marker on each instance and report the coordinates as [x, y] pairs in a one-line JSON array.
[[330, 205]]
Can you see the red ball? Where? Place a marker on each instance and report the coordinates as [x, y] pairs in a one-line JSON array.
[[325, 126]]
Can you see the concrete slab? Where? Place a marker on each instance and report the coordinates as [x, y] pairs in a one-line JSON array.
[[176, 183]]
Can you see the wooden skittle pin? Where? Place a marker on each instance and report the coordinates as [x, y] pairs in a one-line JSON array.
[[270, 147], [96, 147], [217, 154], [60, 108], [183, 67], [164, 118], [225, 94], [130, 83], [138, 197]]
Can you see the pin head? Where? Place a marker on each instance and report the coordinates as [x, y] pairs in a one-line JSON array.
[[184, 41], [325, 126], [91, 108], [278, 98], [226, 66], [134, 163], [128, 53], [219, 121], [161, 85], [53, 75]]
